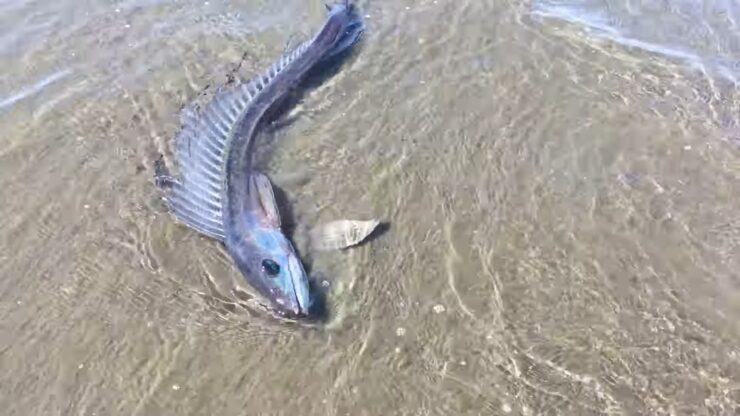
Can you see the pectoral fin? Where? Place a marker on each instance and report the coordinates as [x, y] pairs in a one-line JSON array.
[[263, 197]]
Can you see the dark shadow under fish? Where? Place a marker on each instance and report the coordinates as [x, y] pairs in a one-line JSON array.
[[219, 194]]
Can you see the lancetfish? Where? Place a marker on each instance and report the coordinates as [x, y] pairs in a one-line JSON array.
[[219, 193]]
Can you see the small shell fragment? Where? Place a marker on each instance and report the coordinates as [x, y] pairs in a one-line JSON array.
[[340, 234]]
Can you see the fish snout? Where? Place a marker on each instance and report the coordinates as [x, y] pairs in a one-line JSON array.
[[300, 285]]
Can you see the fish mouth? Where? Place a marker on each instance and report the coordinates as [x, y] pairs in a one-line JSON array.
[[292, 300], [291, 312], [286, 306], [300, 287]]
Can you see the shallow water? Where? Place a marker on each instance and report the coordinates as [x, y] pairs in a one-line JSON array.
[[560, 181]]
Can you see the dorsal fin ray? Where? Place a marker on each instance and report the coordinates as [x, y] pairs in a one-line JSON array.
[[202, 149]]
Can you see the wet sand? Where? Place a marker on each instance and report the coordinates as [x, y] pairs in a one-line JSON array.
[[560, 185]]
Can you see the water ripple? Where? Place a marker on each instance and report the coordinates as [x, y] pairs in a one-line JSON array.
[[704, 37], [9, 102]]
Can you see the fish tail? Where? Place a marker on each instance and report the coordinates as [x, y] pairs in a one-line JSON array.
[[351, 27]]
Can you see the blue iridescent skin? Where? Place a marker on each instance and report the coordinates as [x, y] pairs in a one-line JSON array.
[[265, 256]]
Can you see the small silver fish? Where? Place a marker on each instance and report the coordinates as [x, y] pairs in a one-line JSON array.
[[219, 194]]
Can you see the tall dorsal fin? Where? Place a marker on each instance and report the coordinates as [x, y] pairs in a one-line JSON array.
[[202, 147]]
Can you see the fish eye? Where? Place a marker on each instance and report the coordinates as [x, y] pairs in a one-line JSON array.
[[270, 267]]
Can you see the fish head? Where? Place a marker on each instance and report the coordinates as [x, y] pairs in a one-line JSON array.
[[266, 257], [274, 268]]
